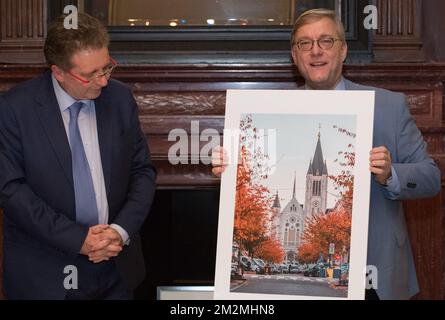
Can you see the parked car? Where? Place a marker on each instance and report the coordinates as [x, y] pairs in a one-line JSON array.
[[258, 265], [256, 268], [259, 262], [246, 263], [293, 268], [234, 269], [284, 268], [315, 271], [275, 268]]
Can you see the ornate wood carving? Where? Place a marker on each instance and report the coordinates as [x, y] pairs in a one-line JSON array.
[[193, 103], [22, 30], [398, 38]]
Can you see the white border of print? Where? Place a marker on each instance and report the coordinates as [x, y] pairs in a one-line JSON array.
[[303, 102]]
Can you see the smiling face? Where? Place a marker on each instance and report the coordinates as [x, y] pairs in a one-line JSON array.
[[320, 68]]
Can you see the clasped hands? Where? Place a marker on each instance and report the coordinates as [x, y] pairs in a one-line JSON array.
[[102, 243]]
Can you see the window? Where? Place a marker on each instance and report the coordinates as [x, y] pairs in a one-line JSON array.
[[291, 232], [316, 188], [180, 13], [213, 31]]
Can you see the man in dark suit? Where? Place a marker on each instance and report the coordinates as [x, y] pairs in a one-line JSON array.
[[76, 180], [399, 161]]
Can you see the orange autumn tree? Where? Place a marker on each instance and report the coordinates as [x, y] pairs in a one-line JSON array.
[[344, 182], [271, 250], [323, 229], [250, 210], [252, 200], [334, 226]]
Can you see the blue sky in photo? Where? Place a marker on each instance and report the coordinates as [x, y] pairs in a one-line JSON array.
[[296, 139]]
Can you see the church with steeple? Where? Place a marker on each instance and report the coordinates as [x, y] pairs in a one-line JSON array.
[[288, 224]]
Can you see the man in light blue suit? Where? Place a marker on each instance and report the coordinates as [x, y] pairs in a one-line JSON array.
[[401, 168]]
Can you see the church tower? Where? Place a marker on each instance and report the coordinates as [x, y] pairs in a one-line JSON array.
[[275, 228], [316, 183]]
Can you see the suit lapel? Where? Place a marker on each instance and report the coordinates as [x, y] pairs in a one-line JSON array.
[[104, 132], [48, 112]]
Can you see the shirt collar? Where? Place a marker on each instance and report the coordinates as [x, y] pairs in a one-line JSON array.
[[63, 98], [340, 86]]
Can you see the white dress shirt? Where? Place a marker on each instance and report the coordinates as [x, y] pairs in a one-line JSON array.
[[88, 132]]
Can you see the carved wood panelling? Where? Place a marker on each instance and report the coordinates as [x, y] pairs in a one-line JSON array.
[[435, 142], [398, 37], [193, 103], [397, 18], [22, 30], [425, 106], [184, 176], [421, 104], [182, 129], [162, 125], [424, 98], [22, 19]]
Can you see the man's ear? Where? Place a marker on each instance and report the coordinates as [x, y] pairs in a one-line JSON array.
[[58, 73], [344, 52], [294, 55]]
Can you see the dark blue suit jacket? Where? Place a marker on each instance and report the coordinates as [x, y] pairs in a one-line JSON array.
[[41, 235]]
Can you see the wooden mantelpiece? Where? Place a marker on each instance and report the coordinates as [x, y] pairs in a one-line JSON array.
[[171, 96]]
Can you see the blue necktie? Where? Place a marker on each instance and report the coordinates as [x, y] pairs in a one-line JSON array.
[[86, 207]]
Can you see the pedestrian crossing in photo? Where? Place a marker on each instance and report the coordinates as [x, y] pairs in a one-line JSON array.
[[287, 277]]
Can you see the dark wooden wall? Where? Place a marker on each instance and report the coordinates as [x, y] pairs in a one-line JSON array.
[[433, 26], [407, 53]]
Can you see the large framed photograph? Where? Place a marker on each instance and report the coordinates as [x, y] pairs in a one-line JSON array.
[[294, 204]]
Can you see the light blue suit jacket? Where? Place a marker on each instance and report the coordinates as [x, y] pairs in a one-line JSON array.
[[389, 248]]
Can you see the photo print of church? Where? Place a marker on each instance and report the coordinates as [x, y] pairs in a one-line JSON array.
[[288, 224], [293, 206]]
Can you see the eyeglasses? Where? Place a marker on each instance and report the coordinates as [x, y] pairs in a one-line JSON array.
[[106, 71], [323, 43]]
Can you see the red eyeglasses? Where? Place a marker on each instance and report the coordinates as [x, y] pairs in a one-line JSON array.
[[106, 71]]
